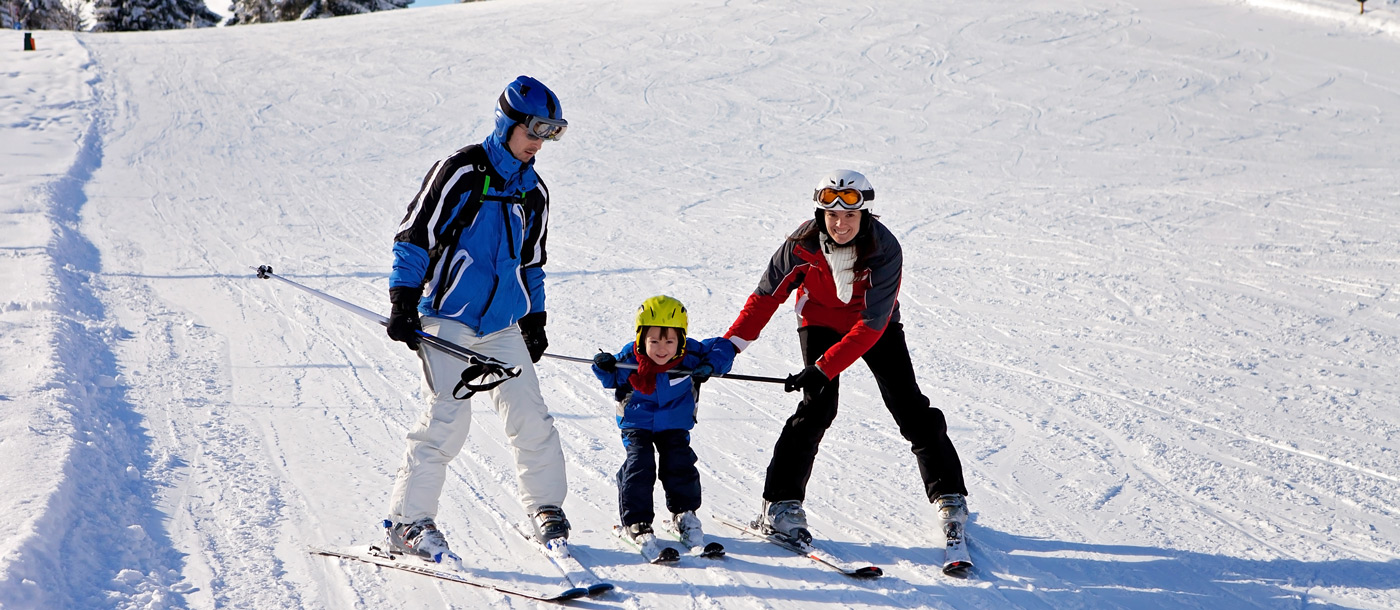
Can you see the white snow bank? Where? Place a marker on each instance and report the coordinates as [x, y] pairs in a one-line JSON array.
[[74, 497], [44, 103]]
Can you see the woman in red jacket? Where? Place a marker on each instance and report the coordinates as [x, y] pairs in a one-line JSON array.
[[845, 268]]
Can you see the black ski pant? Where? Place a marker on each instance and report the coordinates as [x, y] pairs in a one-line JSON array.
[[920, 424], [636, 480]]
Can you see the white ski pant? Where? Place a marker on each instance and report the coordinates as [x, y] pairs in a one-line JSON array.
[[442, 430]]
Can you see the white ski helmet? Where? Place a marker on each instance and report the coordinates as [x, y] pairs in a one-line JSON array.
[[843, 189]]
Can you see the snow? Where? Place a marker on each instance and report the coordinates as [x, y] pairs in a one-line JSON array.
[[1150, 281]]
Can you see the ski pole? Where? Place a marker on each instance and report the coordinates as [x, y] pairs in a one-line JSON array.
[[488, 364], [623, 365]]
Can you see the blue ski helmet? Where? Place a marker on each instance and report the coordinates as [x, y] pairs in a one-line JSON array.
[[529, 102]]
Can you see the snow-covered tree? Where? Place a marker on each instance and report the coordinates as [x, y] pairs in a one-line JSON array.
[[130, 15], [317, 9], [40, 14], [256, 11], [266, 11]]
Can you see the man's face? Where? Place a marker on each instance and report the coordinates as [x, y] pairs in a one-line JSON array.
[[523, 145]]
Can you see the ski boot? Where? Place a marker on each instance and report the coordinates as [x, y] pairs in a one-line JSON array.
[[421, 538], [786, 518], [692, 535], [639, 532], [952, 516], [550, 525], [952, 508], [688, 527], [644, 537]]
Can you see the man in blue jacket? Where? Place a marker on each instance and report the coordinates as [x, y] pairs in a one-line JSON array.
[[468, 267]]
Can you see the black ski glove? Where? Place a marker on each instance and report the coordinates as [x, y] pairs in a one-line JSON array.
[[810, 379], [403, 315], [532, 328], [606, 362], [623, 393], [702, 373]]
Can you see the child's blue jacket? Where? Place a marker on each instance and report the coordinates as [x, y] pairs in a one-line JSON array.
[[672, 407]]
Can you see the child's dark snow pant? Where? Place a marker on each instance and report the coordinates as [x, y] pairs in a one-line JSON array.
[[920, 424], [636, 480]]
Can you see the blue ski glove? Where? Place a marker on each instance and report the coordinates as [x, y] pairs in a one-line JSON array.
[[811, 379], [605, 361], [702, 373], [403, 316]]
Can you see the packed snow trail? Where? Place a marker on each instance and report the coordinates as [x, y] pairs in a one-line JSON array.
[[1149, 279]]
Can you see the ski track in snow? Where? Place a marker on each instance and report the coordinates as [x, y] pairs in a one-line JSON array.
[[1149, 279]]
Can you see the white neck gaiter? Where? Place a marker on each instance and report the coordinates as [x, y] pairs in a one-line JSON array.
[[842, 260]]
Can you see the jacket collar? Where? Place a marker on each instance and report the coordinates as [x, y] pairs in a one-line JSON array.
[[518, 176]]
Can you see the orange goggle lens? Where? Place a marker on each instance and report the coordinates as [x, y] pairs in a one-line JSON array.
[[846, 198]]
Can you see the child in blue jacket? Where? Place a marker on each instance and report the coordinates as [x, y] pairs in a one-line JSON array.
[[656, 411]]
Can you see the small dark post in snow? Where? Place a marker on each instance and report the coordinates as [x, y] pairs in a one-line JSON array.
[[29, 41]]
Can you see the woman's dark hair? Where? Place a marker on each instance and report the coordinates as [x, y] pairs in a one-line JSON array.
[[864, 243]]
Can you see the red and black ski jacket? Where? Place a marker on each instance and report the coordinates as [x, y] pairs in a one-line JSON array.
[[799, 266]]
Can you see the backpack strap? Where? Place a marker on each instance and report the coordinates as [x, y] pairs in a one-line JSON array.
[[462, 217]]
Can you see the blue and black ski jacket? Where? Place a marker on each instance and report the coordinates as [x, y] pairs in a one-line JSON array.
[[475, 235]]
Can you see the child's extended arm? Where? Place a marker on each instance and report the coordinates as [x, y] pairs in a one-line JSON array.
[[617, 376]]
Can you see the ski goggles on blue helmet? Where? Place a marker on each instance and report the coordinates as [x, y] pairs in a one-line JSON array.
[[537, 127], [843, 189]]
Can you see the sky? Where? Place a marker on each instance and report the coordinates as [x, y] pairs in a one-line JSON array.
[[1149, 280]]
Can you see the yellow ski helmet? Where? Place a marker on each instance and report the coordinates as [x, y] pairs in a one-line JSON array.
[[663, 311]]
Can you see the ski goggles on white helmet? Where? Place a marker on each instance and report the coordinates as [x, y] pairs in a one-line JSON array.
[[843, 189], [846, 199]]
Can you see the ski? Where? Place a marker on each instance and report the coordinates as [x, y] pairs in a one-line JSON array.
[[703, 547], [557, 551], [650, 547], [379, 557], [806, 550], [956, 560]]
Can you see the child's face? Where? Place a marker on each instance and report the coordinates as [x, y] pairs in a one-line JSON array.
[[660, 344]]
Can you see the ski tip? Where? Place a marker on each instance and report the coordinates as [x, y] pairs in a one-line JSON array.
[[573, 593], [668, 555], [713, 550], [958, 569], [868, 572], [599, 588]]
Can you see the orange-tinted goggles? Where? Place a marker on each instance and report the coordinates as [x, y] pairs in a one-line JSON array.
[[850, 199]]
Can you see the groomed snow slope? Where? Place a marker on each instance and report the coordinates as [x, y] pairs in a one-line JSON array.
[[1150, 269]]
